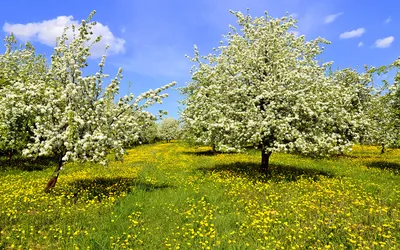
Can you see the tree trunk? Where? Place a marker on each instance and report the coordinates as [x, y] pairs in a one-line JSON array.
[[213, 148], [265, 162], [53, 180], [10, 155], [383, 148]]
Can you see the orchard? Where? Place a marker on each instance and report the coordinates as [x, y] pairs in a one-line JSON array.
[[273, 148]]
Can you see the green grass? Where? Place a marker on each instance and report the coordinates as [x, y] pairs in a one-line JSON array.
[[173, 196]]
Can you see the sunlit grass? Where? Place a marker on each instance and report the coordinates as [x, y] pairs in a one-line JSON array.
[[173, 196]]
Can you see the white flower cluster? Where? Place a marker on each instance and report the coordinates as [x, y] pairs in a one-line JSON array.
[[169, 129], [20, 71], [265, 87], [73, 116], [385, 107]]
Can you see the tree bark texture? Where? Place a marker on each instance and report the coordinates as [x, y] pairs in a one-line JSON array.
[[265, 162], [53, 180]]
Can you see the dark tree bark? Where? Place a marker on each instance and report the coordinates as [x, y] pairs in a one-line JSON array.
[[213, 148], [53, 180], [265, 162], [383, 148], [10, 153]]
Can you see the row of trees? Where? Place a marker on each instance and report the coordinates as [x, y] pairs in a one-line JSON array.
[[55, 109], [263, 87], [169, 129], [266, 87]]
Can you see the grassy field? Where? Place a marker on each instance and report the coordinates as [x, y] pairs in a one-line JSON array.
[[172, 196]]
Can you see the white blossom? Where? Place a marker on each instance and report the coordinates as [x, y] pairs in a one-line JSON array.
[[266, 87], [169, 129], [75, 117]]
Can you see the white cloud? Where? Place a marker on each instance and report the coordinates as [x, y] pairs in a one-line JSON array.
[[47, 31], [332, 18], [384, 42], [351, 34], [388, 20], [360, 44]]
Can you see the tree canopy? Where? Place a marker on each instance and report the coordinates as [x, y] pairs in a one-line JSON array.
[[169, 129], [266, 87], [71, 114]]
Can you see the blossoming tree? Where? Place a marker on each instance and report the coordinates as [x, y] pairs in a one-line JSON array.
[[81, 119], [149, 133], [169, 129], [385, 108], [265, 87], [21, 72]]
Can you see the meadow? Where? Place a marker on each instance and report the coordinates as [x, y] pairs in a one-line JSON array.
[[176, 196]]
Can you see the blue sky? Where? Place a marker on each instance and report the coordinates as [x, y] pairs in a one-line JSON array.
[[149, 39]]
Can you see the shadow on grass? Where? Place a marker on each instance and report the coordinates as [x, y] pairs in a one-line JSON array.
[[24, 164], [277, 172], [344, 156], [207, 153], [384, 165], [102, 188], [202, 153]]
